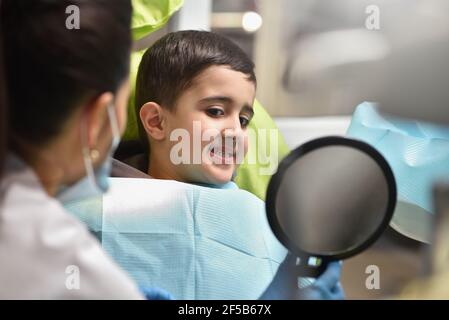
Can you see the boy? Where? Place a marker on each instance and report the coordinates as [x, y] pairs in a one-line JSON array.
[[203, 84], [194, 97]]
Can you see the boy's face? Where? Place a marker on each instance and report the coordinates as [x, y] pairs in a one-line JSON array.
[[219, 104]]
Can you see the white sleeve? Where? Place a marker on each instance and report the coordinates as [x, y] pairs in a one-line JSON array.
[[47, 254]]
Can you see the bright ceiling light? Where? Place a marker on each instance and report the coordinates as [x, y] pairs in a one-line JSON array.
[[251, 21]]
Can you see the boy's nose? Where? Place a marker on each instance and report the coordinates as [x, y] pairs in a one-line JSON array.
[[233, 128], [233, 136]]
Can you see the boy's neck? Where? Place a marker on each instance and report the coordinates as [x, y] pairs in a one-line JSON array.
[[159, 169]]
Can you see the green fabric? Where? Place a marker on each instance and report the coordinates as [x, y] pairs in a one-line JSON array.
[[132, 131], [150, 15], [249, 176]]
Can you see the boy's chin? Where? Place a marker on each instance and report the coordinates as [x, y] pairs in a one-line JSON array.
[[219, 174]]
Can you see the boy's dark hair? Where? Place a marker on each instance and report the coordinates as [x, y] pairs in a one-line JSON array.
[[170, 66]]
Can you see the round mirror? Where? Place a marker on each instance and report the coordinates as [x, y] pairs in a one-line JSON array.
[[331, 198]]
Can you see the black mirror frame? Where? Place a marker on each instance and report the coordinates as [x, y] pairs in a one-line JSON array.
[[273, 187]]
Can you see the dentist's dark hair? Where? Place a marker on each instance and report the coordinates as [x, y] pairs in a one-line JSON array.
[[3, 106], [51, 68]]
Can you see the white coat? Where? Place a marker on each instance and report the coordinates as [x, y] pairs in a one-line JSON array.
[[47, 254]]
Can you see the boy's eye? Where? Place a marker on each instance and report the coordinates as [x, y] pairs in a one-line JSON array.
[[244, 121], [215, 112]]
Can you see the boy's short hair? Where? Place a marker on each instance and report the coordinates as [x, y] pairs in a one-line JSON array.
[[169, 67]]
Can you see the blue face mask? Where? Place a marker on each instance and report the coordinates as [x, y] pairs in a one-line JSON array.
[[96, 182]]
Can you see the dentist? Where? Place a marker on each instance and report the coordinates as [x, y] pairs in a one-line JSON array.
[[67, 92]]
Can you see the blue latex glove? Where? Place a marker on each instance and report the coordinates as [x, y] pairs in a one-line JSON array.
[[152, 293], [327, 286], [285, 284]]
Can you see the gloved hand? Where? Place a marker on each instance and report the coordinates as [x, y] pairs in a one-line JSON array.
[[285, 284], [327, 286], [152, 293]]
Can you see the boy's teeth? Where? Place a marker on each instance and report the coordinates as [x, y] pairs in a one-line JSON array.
[[221, 154]]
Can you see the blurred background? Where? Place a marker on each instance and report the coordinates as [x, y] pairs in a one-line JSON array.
[[266, 30], [263, 29], [316, 60]]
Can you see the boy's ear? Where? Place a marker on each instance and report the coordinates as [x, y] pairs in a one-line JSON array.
[[151, 116]]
